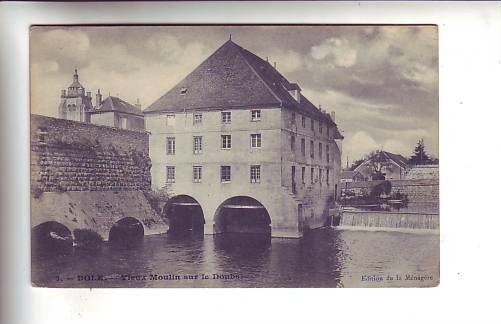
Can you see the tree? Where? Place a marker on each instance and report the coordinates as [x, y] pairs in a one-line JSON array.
[[377, 161], [420, 156]]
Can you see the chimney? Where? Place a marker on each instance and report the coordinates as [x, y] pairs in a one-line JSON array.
[[333, 116], [138, 105], [98, 98], [89, 94], [275, 65], [63, 93]]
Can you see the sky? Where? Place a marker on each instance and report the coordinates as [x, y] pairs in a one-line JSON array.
[[381, 81]]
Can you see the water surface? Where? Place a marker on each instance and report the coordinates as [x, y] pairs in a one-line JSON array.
[[324, 258]]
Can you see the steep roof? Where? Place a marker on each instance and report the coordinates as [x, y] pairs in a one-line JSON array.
[[397, 158], [117, 104], [233, 77]]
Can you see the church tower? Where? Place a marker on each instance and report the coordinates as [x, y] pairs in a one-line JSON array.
[[75, 104]]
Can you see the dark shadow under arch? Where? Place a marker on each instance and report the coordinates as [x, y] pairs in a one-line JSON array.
[[184, 213], [51, 238], [128, 230], [242, 214]]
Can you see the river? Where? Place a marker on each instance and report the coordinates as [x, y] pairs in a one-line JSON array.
[[324, 258]]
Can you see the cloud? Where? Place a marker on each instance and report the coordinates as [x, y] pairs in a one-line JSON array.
[[288, 61], [337, 51], [68, 47], [358, 145]]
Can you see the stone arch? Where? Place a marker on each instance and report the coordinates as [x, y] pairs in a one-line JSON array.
[[242, 214], [51, 238], [126, 230], [184, 213]]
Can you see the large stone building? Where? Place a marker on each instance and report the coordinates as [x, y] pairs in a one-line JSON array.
[[241, 145], [76, 105]]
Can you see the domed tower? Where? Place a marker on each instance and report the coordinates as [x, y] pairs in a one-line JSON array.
[[75, 104]]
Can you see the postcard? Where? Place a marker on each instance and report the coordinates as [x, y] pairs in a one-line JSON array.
[[234, 156]]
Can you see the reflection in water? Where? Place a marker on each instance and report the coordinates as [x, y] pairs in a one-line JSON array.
[[323, 258]]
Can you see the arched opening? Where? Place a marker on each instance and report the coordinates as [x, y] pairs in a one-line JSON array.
[[242, 214], [183, 213], [127, 231], [51, 238]]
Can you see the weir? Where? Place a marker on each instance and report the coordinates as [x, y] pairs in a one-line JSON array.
[[390, 220]]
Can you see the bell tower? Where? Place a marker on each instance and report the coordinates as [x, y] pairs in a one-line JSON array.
[[75, 102]]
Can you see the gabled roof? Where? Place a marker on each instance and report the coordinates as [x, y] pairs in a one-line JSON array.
[[117, 104], [395, 158], [233, 77]]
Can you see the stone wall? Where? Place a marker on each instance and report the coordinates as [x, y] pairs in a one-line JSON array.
[[423, 172], [75, 156], [423, 194]]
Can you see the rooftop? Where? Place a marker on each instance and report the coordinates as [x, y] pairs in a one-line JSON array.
[[117, 104], [233, 77]]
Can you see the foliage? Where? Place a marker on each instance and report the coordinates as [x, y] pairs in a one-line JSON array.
[[420, 156], [157, 199], [383, 188]]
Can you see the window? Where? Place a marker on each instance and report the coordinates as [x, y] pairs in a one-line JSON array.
[[303, 173], [183, 91], [303, 121], [293, 118], [171, 174], [197, 144], [293, 143], [225, 173], [197, 119], [255, 115], [255, 140], [171, 145], [303, 147], [171, 120], [197, 173], [226, 117], [320, 127], [312, 125], [328, 183], [312, 173], [327, 131], [312, 150], [255, 173], [319, 150], [226, 141], [320, 176]]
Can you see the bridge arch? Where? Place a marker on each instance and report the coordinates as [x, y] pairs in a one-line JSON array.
[[51, 237], [184, 213], [242, 214], [126, 230]]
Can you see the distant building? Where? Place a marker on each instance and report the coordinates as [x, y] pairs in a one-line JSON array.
[[383, 166], [239, 143], [115, 112], [352, 176], [76, 105]]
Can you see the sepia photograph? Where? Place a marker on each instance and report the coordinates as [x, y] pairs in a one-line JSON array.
[[194, 156]]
